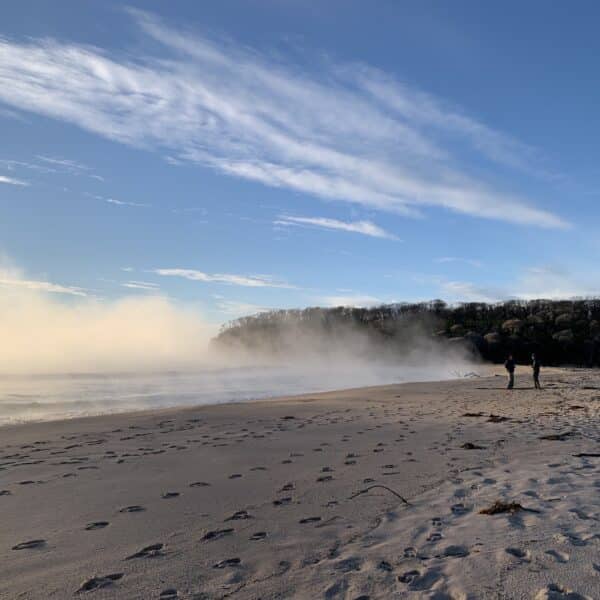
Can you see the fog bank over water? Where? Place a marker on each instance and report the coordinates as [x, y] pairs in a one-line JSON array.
[[87, 356], [49, 397], [70, 332]]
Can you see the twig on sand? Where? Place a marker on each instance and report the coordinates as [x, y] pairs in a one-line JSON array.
[[377, 485], [505, 507]]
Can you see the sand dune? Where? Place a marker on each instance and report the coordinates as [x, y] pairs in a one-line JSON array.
[[300, 498]]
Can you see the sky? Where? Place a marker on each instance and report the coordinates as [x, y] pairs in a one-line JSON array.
[[231, 157]]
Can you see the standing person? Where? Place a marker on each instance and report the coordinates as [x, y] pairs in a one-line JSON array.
[[509, 365], [535, 365]]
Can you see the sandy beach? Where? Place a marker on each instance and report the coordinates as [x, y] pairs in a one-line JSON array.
[[284, 499]]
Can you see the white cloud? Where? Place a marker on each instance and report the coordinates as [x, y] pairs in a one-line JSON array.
[[117, 202], [453, 259], [363, 227], [532, 283], [554, 284], [342, 132], [12, 165], [41, 286], [64, 163], [12, 181], [464, 291], [124, 203], [141, 285], [243, 280]]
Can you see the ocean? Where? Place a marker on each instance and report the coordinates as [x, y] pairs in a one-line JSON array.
[[62, 396]]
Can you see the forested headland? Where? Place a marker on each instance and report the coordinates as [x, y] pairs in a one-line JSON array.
[[560, 332]]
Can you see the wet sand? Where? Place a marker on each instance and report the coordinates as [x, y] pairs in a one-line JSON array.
[[280, 499]]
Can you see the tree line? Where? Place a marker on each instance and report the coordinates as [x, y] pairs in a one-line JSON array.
[[560, 331]]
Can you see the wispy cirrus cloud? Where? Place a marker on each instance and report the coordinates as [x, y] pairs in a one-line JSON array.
[[532, 283], [363, 227], [71, 166], [64, 163], [454, 259], [243, 280], [12, 181], [339, 132], [117, 202], [141, 285], [42, 286]]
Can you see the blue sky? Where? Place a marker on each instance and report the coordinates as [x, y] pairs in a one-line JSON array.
[[235, 156]]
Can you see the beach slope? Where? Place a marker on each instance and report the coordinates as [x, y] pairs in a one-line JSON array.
[[367, 493]]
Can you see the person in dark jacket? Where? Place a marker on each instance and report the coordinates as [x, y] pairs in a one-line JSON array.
[[536, 365], [510, 365]]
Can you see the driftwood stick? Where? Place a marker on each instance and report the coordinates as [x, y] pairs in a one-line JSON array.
[[377, 485]]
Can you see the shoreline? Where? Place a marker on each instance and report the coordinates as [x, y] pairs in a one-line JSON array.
[[275, 397], [274, 498]]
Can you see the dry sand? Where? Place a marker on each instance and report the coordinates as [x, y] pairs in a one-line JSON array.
[[260, 500]]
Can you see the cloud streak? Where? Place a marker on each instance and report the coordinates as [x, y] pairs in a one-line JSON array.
[[242, 280], [453, 259], [363, 227], [339, 132], [41, 286], [12, 181]]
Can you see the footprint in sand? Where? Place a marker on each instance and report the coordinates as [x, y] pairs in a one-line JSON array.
[[459, 509], [384, 565], [557, 592], [282, 501], [420, 581], [5, 493], [561, 557], [168, 594], [309, 520], [324, 478], [240, 515], [259, 535], [409, 576], [217, 534], [31, 544], [456, 551], [199, 484], [228, 562], [152, 551], [519, 553], [132, 509], [235, 476], [96, 525], [348, 565], [98, 582], [288, 487], [168, 495]]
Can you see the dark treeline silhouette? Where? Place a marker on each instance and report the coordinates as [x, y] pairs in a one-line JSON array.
[[559, 332]]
